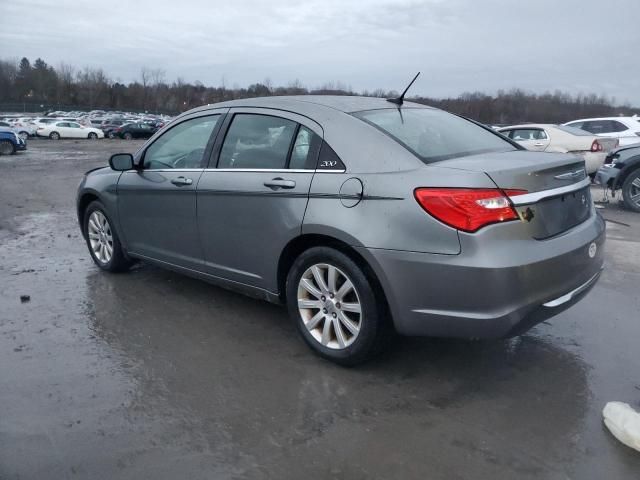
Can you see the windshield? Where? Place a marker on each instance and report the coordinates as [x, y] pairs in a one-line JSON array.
[[434, 135]]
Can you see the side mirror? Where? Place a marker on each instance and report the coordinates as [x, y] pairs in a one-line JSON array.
[[121, 162]]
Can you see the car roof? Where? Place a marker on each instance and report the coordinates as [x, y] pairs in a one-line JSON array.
[[636, 119], [342, 103], [530, 125]]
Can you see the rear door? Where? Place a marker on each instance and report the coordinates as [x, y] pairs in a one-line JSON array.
[[157, 202], [253, 196]]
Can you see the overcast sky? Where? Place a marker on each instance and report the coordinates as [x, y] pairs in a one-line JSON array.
[[459, 45]]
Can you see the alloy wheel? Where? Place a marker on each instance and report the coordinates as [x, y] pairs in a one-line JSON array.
[[100, 236], [329, 306], [635, 192]]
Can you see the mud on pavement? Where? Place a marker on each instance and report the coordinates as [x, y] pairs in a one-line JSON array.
[[154, 375]]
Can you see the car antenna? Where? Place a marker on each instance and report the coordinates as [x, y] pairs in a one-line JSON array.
[[400, 99]]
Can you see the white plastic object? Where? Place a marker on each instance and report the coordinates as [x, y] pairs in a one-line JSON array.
[[623, 422]]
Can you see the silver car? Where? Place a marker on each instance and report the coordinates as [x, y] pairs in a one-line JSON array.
[[362, 216]]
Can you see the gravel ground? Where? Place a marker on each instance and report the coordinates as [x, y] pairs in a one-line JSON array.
[[153, 375]]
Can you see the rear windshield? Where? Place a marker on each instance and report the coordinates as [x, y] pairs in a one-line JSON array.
[[434, 135], [574, 131]]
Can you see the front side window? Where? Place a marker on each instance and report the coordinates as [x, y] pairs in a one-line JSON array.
[[182, 146], [433, 135], [257, 142]]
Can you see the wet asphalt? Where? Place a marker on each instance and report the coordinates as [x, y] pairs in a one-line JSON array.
[[154, 375]]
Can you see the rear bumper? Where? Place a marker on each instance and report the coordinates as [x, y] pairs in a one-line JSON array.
[[607, 175], [492, 291]]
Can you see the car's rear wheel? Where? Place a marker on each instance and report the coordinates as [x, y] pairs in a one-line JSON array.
[[127, 136], [93, 136], [111, 135], [334, 306], [103, 242], [7, 148], [54, 136], [631, 191]]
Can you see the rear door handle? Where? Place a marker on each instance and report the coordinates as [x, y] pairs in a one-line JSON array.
[[279, 182], [538, 144], [182, 181]]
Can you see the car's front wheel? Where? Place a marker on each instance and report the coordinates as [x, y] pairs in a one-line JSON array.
[[335, 307], [631, 191], [103, 242], [127, 136], [7, 148]]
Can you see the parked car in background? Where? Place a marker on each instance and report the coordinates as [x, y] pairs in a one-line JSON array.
[[10, 142], [360, 215], [58, 130], [625, 129], [562, 139], [135, 130], [621, 171], [110, 126], [21, 127]]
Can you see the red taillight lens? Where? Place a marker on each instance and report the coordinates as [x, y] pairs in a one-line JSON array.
[[468, 209], [596, 147]]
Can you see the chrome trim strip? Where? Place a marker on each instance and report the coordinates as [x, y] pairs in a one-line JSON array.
[[554, 192], [567, 297], [255, 170]]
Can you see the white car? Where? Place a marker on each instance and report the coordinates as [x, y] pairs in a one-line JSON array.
[[63, 129], [625, 129], [562, 139]]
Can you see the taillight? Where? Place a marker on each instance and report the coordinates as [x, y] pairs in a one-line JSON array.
[[468, 209], [596, 146]]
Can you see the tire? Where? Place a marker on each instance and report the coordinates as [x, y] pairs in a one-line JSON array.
[[24, 135], [92, 136], [111, 135], [7, 148], [631, 191], [54, 136], [127, 136], [345, 347], [117, 261]]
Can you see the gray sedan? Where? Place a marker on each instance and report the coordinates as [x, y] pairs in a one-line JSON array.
[[362, 216]]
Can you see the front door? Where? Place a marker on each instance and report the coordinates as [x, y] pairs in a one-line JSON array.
[[157, 202], [253, 202]]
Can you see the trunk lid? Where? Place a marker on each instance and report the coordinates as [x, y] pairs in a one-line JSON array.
[[558, 196]]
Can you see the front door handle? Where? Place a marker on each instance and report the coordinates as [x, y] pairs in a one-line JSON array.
[[279, 182], [182, 181], [539, 144]]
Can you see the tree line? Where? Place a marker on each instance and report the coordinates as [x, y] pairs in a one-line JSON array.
[[41, 86]]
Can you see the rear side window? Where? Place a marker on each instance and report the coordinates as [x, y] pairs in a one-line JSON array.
[[618, 126], [528, 134], [434, 135], [258, 142], [305, 150]]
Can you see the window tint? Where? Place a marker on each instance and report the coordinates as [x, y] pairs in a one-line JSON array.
[[599, 126], [529, 134], [618, 126], [579, 125], [182, 146], [257, 141], [573, 130], [73, 125], [506, 133], [305, 150], [434, 135], [62, 124]]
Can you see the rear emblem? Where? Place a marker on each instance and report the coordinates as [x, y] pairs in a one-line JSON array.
[[593, 248], [584, 199]]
